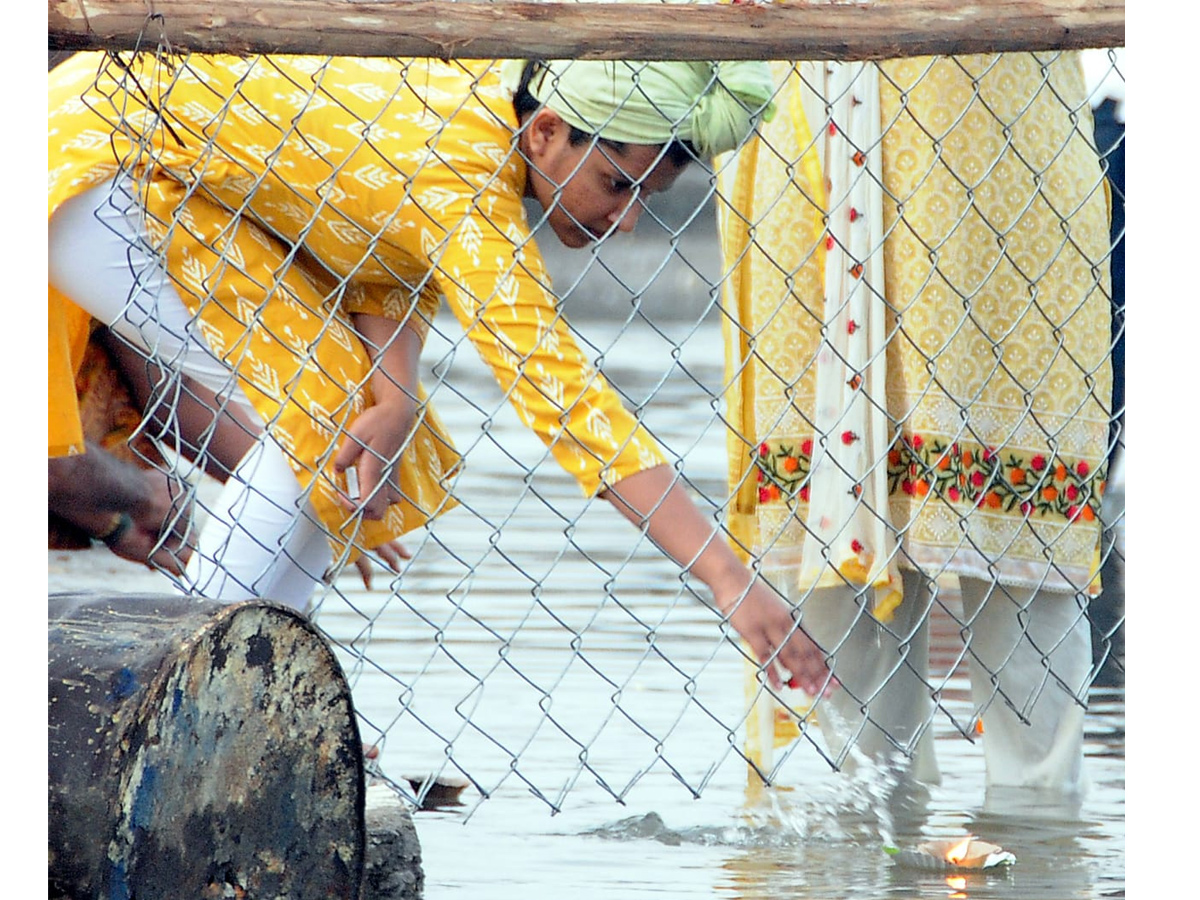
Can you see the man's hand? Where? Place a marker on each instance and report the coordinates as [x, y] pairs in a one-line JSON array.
[[372, 445], [160, 530], [143, 515]]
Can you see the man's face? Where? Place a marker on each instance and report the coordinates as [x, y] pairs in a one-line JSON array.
[[590, 189]]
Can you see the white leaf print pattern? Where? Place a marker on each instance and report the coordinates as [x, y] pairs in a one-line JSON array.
[[258, 151], [143, 120], [288, 211], [259, 237], [212, 337], [193, 110], [372, 93], [470, 238], [374, 176], [68, 107], [263, 377], [193, 271], [548, 338], [232, 254], [322, 420], [248, 114], [436, 199], [492, 151], [330, 191], [247, 312], [429, 243], [293, 303], [311, 146], [301, 350], [376, 132], [286, 440], [85, 140], [599, 426], [340, 335], [551, 387], [508, 288], [346, 232]]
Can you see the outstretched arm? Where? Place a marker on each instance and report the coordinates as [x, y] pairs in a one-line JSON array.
[[654, 500]]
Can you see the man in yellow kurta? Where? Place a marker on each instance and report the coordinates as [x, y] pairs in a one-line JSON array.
[[918, 347], [313, 212]]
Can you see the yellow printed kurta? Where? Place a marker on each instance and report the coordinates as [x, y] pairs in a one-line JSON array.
[[286, 192], [996, 318]]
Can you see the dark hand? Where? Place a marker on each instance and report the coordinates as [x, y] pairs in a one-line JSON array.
[[159, 532]]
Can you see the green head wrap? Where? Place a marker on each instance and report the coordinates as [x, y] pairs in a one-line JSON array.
[[713, 105]]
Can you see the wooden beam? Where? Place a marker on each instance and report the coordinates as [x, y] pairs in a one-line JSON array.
[[817, 29]]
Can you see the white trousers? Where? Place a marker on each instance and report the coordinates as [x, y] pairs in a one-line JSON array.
[[1029, 657], [262, 538]]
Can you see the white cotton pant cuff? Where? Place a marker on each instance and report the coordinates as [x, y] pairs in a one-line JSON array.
[[1029, 659], [262, 538]]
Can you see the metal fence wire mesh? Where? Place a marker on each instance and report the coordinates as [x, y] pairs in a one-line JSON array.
[[875, 344]]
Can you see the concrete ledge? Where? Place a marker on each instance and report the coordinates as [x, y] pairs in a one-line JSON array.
[[393, 853]]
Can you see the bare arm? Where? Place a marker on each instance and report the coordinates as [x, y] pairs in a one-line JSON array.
[[654, 500], [372, 444]]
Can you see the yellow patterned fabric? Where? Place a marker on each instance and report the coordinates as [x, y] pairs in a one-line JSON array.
[[398, 182], [67, 334], [994, 251]]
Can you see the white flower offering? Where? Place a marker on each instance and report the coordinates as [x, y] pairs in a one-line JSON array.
[[953, 854]]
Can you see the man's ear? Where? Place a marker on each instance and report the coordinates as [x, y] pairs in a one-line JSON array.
[[545, 132]]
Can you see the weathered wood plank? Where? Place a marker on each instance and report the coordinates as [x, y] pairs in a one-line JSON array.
[[791, 30]]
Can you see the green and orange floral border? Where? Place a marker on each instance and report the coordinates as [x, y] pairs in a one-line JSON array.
[[961, 473]]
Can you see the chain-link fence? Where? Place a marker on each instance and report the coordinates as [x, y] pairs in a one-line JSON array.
[[875, 344]]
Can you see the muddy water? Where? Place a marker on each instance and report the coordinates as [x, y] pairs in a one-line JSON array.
[[538, 648]]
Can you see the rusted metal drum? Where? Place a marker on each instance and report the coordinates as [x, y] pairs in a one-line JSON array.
[[199, 750]]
